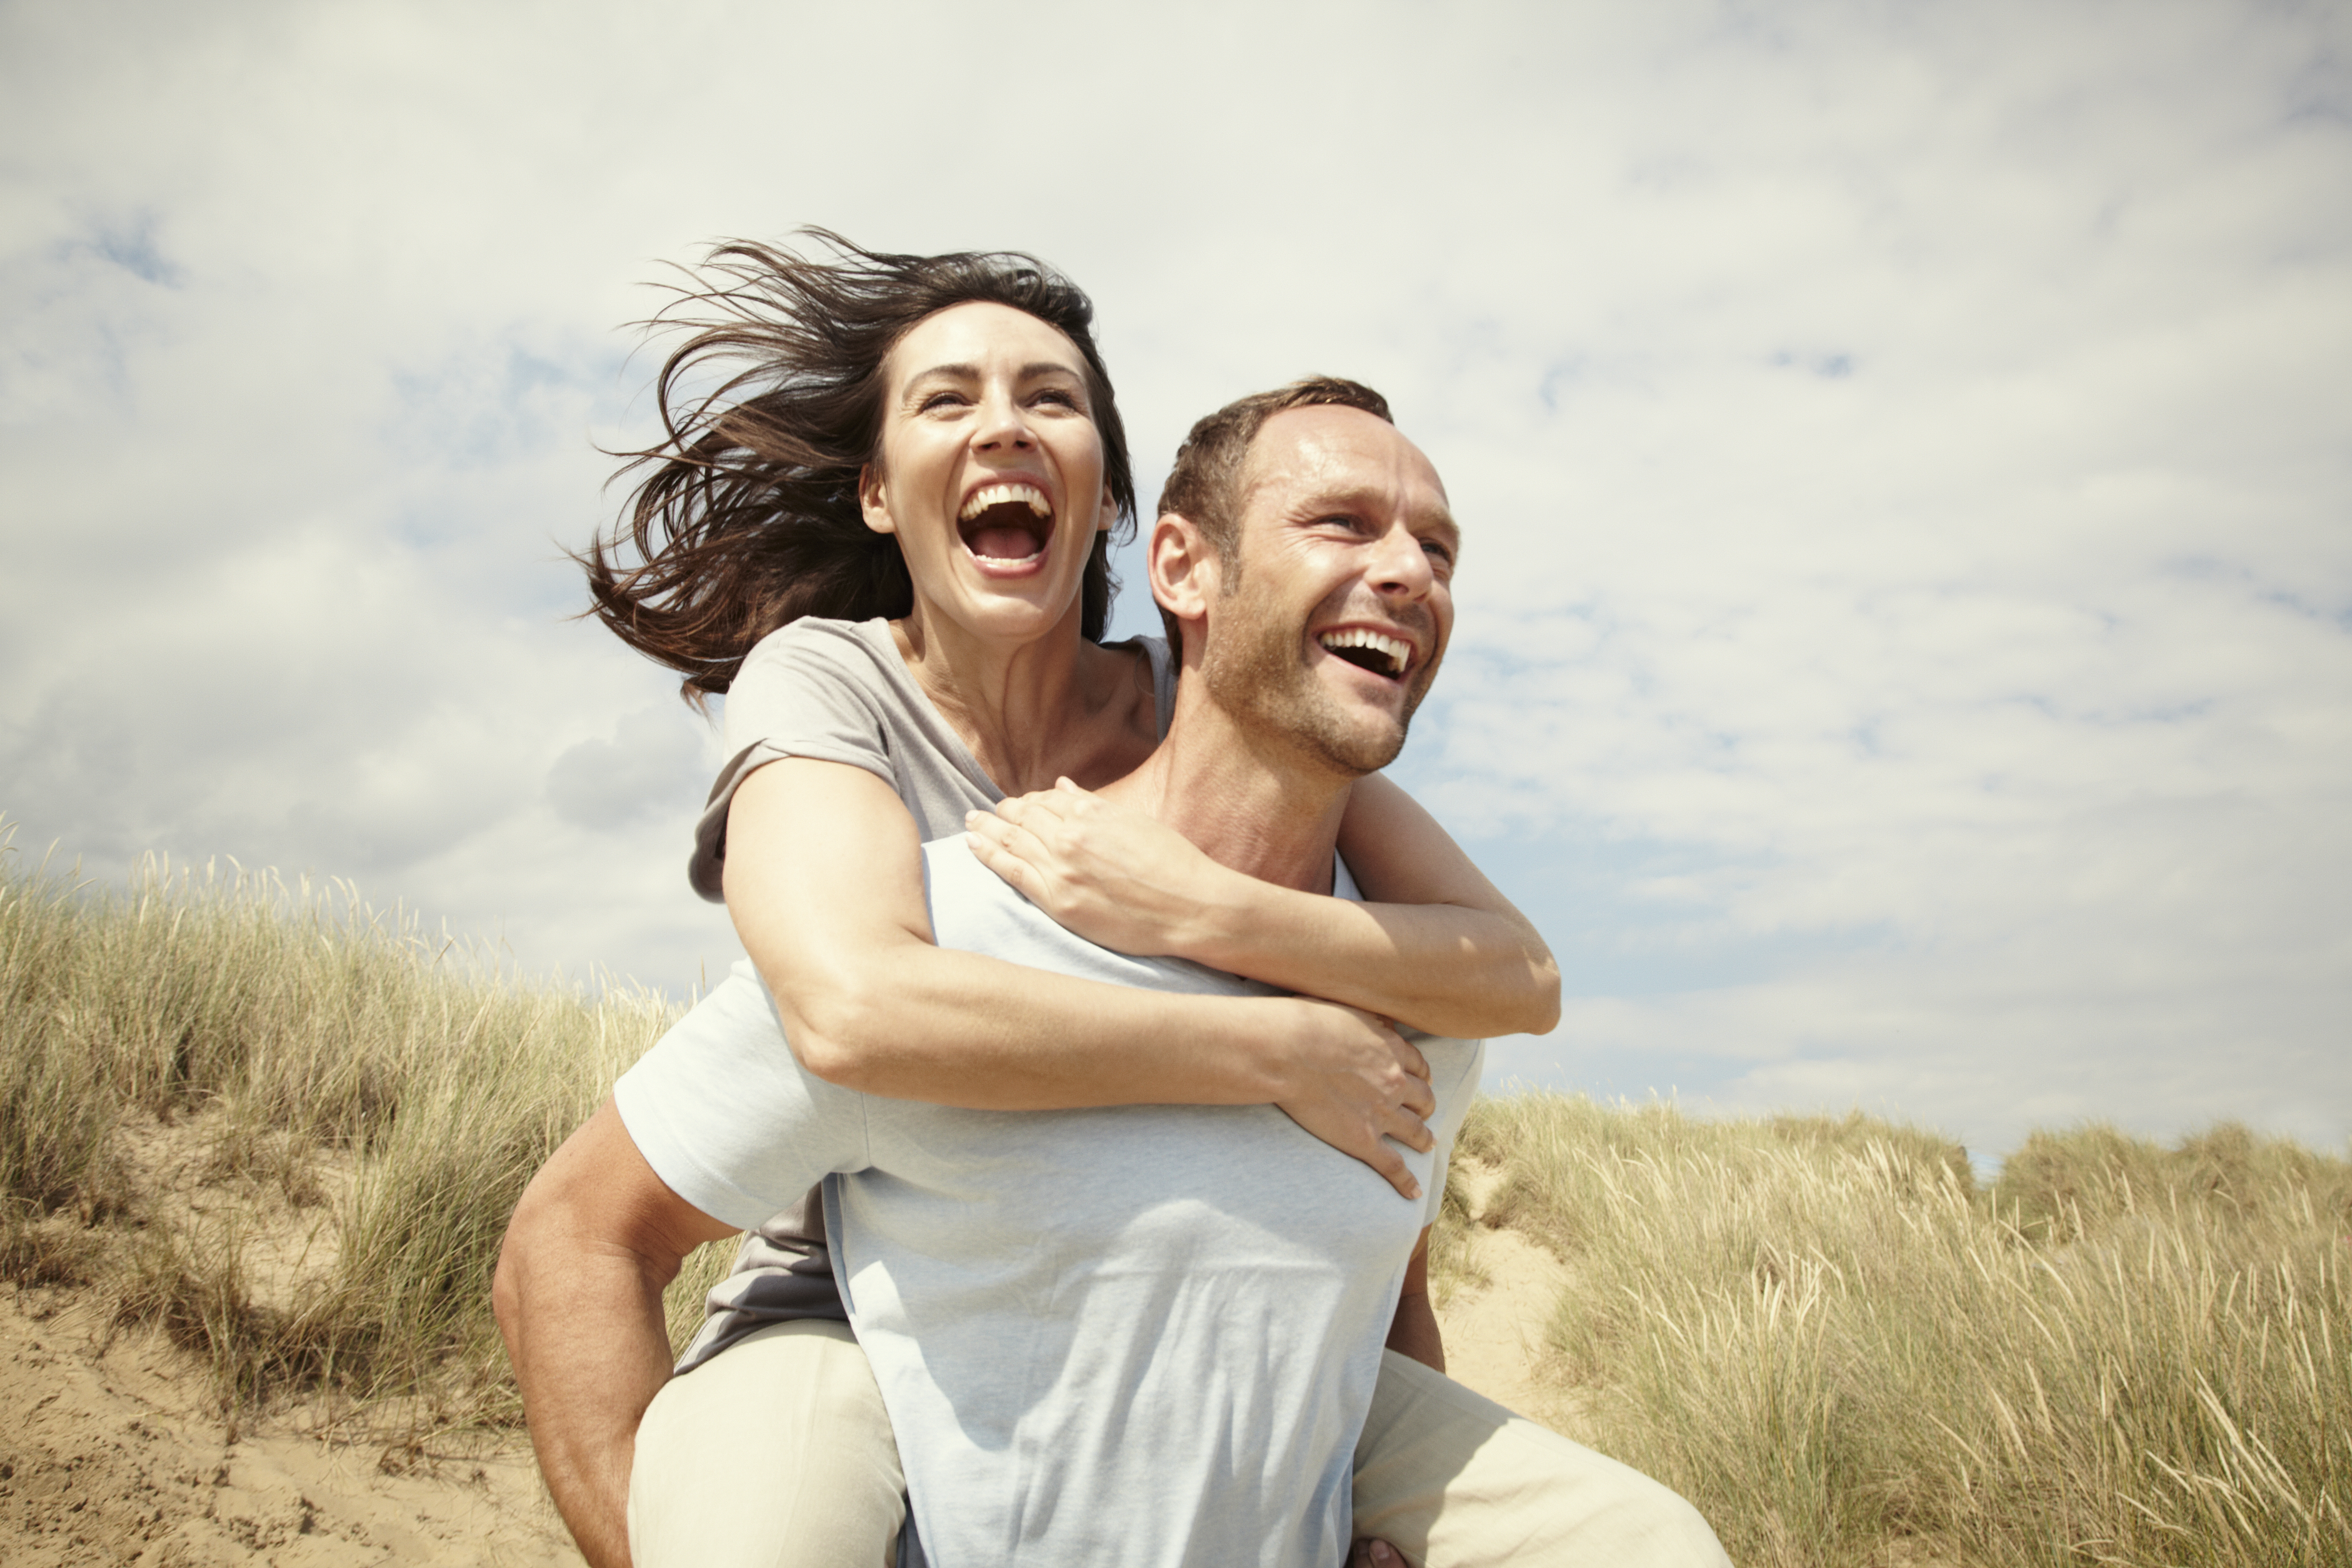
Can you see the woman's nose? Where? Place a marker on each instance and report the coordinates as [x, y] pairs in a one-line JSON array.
[[1002, 423]]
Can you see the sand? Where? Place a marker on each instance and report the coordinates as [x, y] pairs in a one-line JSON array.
[[111, 1451], [1495, 1328]]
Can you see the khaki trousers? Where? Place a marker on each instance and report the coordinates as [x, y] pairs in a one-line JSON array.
[[777, 1455]]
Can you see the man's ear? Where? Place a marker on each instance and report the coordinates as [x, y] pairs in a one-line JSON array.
[[1183, 567], [873, 499]]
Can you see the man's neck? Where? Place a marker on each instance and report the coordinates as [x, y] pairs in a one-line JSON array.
[[1262, 807]]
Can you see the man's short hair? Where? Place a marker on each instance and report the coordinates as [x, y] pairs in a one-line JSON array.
[[1205, 486]]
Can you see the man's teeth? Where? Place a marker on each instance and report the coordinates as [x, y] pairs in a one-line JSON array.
[[1005, 495], [1394, 650]]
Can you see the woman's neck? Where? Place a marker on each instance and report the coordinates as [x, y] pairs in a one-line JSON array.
[[1036, 709]]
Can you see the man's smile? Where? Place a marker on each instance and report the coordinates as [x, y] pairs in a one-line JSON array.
[[1383, 654]]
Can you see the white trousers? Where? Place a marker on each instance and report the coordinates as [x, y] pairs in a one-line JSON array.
[[777, 1453]]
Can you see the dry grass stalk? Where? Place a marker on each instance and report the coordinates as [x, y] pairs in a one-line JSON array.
[[1826, 1336], [337, 1060]]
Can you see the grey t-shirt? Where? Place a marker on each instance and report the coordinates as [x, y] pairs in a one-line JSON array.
[[837, 691], [1145, 1335]]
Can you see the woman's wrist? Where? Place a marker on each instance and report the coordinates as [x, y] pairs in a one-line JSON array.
[[1224, 919]]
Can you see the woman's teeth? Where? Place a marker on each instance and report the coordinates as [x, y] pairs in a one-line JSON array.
[[1391, 651], [1006, 540], [1005, 495]]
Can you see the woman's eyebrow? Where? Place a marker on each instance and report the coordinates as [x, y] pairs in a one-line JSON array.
[[960, 372]]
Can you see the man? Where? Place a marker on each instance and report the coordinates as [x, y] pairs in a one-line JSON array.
[[1146, 1333]]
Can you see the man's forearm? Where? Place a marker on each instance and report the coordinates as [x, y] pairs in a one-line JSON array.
[[590, 1351], [579, 1297]]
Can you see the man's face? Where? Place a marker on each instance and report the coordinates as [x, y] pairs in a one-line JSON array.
[[1335, 605]]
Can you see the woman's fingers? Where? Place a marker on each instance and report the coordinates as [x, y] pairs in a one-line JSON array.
[[994, 845], [1409, 1056], [1410, 1128], [1364, 1089]]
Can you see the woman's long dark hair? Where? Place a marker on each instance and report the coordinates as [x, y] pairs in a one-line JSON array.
[[750, 516]]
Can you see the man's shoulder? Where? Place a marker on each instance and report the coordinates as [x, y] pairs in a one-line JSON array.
[[973, 910]]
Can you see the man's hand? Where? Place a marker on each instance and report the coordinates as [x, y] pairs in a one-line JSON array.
[[579, 1297], [1354, 1082]]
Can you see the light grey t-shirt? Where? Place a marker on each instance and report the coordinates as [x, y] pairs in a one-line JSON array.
[[838, 692], [1146, 1335]]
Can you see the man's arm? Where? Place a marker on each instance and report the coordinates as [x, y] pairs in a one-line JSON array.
[[1414, 1331], [578, 1295]]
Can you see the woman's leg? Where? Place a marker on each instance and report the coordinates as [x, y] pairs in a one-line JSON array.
[[1451, 1479], [775, 1453]]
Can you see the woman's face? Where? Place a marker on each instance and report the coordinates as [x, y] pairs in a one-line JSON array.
[[991, 472]]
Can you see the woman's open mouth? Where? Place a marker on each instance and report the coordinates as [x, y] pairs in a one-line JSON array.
[[1006, 525]]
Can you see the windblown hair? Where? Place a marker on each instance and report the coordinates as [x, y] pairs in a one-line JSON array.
[[1205, 485], [749, 518]]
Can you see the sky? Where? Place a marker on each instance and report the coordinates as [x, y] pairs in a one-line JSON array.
[[1904, 655]]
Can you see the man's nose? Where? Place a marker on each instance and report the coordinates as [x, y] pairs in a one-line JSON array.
[[1399, 565]]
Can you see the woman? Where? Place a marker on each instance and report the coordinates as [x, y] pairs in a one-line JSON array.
[[917, 479]]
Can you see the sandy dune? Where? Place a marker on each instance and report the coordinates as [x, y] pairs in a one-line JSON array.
[[108, 1456], [111, 1454]]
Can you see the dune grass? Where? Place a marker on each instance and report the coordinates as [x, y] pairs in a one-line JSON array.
[[345, 1079], [1822, 1333]]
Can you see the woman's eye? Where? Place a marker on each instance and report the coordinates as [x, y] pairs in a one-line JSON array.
[[938, 400], [1057, 395]]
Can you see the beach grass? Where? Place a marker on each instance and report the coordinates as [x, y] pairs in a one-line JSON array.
[[351, 1107], [1824, 1333]]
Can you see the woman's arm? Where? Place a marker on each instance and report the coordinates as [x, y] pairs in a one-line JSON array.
[[1442, 950], [824, 878]]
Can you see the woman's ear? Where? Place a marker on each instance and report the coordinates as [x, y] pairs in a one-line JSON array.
[[873, 499], [1110, 512]]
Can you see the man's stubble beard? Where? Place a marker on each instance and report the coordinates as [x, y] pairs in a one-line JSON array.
[[1255, 673]]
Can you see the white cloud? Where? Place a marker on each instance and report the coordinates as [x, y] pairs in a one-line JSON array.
[[1905, 639]]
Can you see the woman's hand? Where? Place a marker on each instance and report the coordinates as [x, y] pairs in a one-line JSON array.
[[1108, 872], [1354, 1082]]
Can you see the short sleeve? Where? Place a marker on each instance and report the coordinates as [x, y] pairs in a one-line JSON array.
[[729, 1119], [807, 690]]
